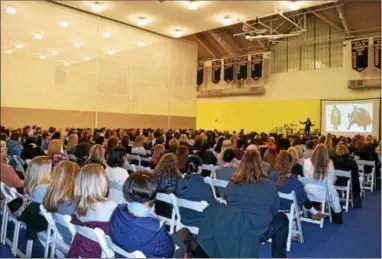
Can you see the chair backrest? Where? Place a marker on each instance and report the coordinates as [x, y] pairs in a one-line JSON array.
[[116, 193], [216, 182], [142, 168], [64, 221], [342, 173], [208, 167], [365, 162], [94, 235], [164, 197], [8, 193], [135, 158], [72, 157], [291, 197], [148, 152], [19, 163], [131, 167]]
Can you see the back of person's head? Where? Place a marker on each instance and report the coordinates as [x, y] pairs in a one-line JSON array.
[[54, 147], [139, 141], [96, 155], [61, 186], [38, 172], [250, 169], [183, 139], [322, 140], [56, 135], [167, 166], [300, 151], [173, 143], [15, 135], [91, 187], [3, 136], [292, 151], [342, 150], [320, 160], [99, 140], [283, 166], [157, 153], [309, 144], [140, 187], [194, 164], [182, 156], [283, 144], [125, 141], [111, 143], [226, 144], [240, 144], [117, 157], [219, 144], [72, 141], [270, 157], [228, 155]]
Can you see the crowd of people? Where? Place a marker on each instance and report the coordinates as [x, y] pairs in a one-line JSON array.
[[71, 172]]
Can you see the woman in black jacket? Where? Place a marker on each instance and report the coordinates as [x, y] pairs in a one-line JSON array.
[[344, 161]]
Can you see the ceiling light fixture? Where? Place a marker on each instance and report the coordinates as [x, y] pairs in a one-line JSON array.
[[55, 52], [64, 24], [86, 58], [141, 43], [192, 5], [293, 5], [97, 7], [42, 57], [11, 10], [67, 63], [178, 33], [19, 46], [110, 52], [38, 36], [227, 21], [77, 44], [8, 51], [142, 21], [106, 34]]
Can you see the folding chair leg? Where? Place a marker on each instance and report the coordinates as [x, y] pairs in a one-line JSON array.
[[16, 238], [298, 223], [290, 229], [28, 252], [347, 200], [4, 223]]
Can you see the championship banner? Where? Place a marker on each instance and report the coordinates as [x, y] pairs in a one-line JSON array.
[[377, 52], [199, 79], [228, 69], [360, 54], [216, 70], [256, 66], [242, 68]]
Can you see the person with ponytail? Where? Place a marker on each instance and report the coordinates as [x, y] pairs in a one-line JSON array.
[[192, 187]]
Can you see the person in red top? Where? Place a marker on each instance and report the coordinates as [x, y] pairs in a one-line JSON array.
[[8, 175]]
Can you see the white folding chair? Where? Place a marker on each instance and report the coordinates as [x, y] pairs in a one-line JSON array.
[[293, 214], [210, 168], [92, 234], [192, 205], [345, 189], [148, 152], [368, 179], [115, 192], [134, 158], [61, 223], [168, 221], [27, 161], [216, 183], [19, 163], [145, 159], [72, 157], [131, 167], [142, 168]]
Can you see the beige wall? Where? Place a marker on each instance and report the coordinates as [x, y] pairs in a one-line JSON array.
[[156, 80]]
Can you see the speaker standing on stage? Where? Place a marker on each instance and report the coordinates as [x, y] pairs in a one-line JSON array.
[[308, 124]]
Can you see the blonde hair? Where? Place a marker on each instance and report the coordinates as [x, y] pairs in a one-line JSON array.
[[320, 160], [329, 142], [183, 138], [342, 150], [72, 141], [294, 153], [139, 141], [173, 143], [300, 151], [91, 187], [96, 155], [54, 147], [61, 185], [226, 144], [38, 172]]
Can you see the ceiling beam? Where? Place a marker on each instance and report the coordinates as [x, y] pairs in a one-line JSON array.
[[223, 42], [206, 46], [327, 21], [341, 13]]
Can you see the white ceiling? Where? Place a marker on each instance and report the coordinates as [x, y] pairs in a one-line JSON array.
[[167, 16]]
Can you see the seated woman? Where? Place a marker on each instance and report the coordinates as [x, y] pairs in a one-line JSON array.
[[173, 145], [286, 183], [182, 156], [115, 170], [227, 169], [297, 169], [93, 209], [8, 175], [72, 144], [270, 156], [31, 150], [192, 187], [319, 170], [207, 156], [55, 152], [138, 148], [96, 155], [183, 141], [157, 153], [251, 191], [37, 178], [59, 194], [134, 226], [343, 161]]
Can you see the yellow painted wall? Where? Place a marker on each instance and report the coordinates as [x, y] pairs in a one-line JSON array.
[[259, 116]]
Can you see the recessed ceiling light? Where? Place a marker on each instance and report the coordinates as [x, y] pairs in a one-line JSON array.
[[77, 44], [293, 5], [64, 24], [19, 46], [87, 58], [106, 34], [38, 36], [227, 21], [141, 43], [42, 57], [110, 52], [142, 21], [67, 63], [55, 52], [192, 5], [178, 33], [11, 10], [97, 7], [8, 51]]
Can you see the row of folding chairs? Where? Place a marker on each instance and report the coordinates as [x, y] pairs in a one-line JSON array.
[[137, 159], [367, 180]]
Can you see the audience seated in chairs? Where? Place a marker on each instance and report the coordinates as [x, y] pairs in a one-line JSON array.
[[227, 168], [72, 144], [182, 156], [115, 170], [297, 169], [31, 150], [14, 144], [8, 175], [96, 155], [138, 148], [55, 152]]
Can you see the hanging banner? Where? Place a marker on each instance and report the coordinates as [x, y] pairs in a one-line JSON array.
[[199, 79], [216, 70], [377, 52], [228, 69], [256, 66], [360, 54], [242, 68]]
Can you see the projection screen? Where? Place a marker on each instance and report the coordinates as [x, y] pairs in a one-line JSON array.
[[351, 117]]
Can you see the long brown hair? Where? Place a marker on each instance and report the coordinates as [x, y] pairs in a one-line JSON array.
[[270, 156], [182, 155], [320, 160], [283, 166], [167, 166], [157, 153], [61, 187], [250, 169]]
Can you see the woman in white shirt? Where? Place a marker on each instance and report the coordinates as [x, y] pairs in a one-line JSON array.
[[138, 148], [115, 170], [319, 174]]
